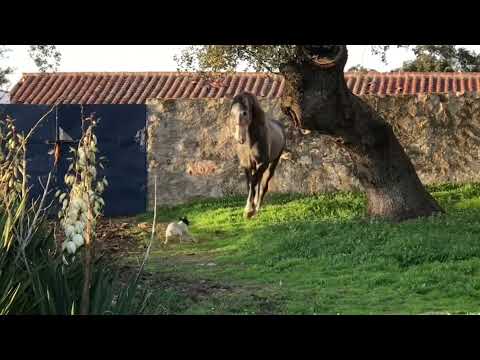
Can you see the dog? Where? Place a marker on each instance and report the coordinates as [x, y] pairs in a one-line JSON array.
[[179, 230]]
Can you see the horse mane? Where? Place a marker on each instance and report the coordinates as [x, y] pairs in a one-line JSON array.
[[250, 101]]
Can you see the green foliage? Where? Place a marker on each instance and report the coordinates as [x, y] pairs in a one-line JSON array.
[[229, 57], [33, 278], [442, 58], [382, 50], [48, 287], [58, 289], [319, 254], [360, 68], [45, 57], [5, 71], [268, 58]]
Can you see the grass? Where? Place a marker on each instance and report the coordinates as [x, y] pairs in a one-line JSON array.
[[318, 255]]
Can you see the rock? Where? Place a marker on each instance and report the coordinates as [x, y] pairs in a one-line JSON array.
[[286, 156], [305, 160], [211, 264], [144, 226]]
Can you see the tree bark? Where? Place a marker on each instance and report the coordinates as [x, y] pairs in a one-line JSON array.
[[384, 170], [317, 98]]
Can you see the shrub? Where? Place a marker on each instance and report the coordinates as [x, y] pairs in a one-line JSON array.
[[33, 276]]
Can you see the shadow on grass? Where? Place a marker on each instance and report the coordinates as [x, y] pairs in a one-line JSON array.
[[351, 243], [331, 227], [446, 194], [171, 213], [332, 259]]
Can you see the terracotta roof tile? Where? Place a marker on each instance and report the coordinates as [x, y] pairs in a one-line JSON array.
[[136, 88]]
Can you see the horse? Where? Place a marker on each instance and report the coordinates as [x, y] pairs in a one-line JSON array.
[[259, 144]]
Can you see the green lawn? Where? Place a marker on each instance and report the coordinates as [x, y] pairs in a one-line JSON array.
[[318, 255]]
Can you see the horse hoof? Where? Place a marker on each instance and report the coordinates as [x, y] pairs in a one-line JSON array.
[[249, 214]]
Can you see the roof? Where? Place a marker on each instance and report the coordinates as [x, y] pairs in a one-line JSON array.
[[412, 83], [137, 87]]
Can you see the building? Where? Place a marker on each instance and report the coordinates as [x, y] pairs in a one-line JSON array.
[[137, 88], [170, 126]]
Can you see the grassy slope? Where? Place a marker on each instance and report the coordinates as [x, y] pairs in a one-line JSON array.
[[316, 255]]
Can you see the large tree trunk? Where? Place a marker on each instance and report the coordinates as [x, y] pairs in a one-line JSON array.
[[316, 97], [386, 173]]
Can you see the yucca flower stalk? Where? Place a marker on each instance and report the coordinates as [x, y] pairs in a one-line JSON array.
[[22, 218], [41, 284], [82, 204], [13, 179]]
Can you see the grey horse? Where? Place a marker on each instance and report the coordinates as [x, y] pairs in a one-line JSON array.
[[260, 143]]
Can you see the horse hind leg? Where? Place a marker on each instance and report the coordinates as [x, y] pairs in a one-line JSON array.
[[263, 186], [259, 190]]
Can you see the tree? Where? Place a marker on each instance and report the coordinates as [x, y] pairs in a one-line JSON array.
[[4, 72], [317, 98], [442, 58], [45, 57], [360, 68]]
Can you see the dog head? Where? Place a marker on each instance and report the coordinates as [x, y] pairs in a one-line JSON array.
[[185, 220]]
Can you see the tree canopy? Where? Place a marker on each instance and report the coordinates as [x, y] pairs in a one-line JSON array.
[[360, 68], [45, 57], [442, 58], [213, 58], [271, 58]]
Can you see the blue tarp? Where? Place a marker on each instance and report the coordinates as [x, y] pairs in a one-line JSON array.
[[121, 139]]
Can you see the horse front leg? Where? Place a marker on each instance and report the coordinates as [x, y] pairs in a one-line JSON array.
[[258, 191]]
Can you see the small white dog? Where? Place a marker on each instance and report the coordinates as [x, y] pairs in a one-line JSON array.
[[179, 230]]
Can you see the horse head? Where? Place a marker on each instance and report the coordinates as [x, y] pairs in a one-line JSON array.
[[243, 112]]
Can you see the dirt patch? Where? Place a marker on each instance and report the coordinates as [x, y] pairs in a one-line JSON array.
[[122, 237], [195, 290], [229, 298], [115, 237]]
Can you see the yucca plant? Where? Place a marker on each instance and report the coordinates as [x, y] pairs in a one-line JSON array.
[[82, 205], [33, 277], [12, 177], [59, 291], [13, 206]]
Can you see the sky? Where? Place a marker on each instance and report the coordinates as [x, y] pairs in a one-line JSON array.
[[92, 58]]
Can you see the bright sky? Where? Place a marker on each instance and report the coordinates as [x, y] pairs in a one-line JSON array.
[[160, 58]]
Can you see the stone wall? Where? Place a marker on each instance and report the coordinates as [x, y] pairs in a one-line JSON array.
[[191, 152]]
